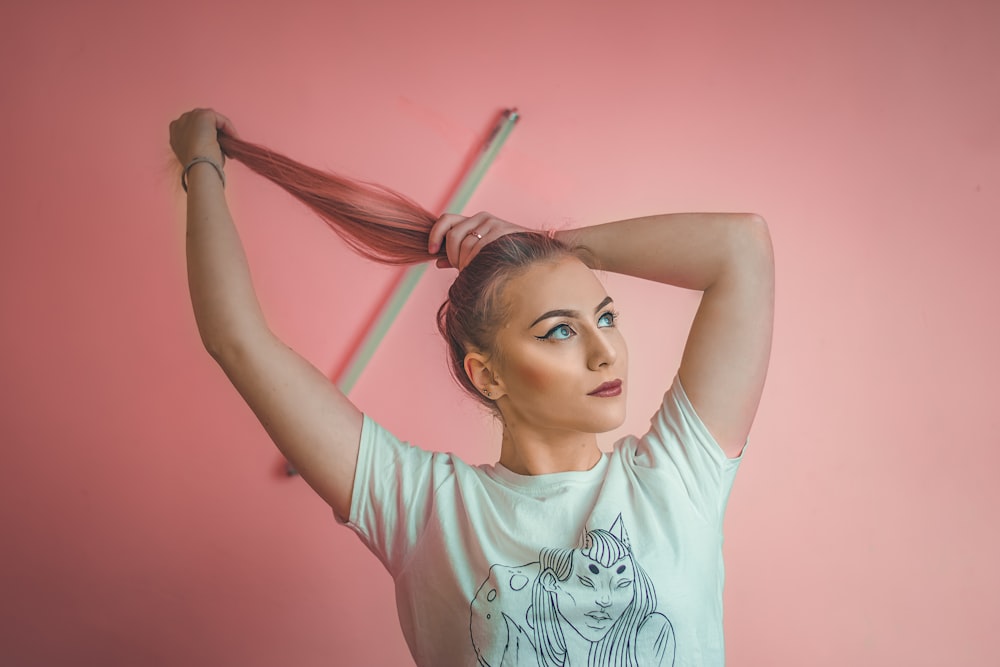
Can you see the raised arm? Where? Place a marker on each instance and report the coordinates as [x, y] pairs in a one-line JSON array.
[[313, 424], [729, 258], [725, 255]]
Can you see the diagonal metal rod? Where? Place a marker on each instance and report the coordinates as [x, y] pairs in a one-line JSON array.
[[364, 352]]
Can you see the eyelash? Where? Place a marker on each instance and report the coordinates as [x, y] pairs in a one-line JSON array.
[[614, 317], [614, 322]]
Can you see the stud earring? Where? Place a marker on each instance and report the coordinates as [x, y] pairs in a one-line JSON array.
[[488, 393]]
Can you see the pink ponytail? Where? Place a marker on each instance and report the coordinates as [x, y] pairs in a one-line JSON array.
[[377, 222], [387, 227]]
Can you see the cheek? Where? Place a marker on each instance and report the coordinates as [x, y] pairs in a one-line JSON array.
[[534, 376], [624, 595]]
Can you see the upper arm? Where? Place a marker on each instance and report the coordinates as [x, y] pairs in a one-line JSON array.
[[310, 420], [726, 356]]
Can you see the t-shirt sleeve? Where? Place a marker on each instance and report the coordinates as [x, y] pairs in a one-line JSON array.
[[393, 493], [679, 445]]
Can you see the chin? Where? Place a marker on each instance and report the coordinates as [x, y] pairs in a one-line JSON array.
[[609, 423], [612, 427]]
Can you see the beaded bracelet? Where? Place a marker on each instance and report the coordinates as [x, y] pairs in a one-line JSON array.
[[195, 161]]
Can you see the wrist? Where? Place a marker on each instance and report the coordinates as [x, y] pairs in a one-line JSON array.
[[207, 162]]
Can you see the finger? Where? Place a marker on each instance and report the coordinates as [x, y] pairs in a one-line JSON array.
[[467, 250], [443, 263], [475, 240], [459, 240], [481, 233], [224, 125], [440, 230]]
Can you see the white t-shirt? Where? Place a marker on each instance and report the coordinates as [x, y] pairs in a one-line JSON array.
[[617, 565]]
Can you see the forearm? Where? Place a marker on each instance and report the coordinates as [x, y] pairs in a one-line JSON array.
[[729, 258], [692, 250], [225, 305]]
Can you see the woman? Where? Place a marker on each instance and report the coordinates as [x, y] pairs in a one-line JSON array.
[[531, 333]]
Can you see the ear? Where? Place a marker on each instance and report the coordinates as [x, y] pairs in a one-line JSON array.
[[549, 581], [480, 372]]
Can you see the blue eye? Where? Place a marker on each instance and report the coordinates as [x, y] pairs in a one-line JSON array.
[[561, 332], [607, 319]]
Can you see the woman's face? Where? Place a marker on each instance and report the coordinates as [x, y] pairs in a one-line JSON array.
[[562, 362]]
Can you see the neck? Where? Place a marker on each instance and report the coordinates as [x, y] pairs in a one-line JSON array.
[[533, 452]]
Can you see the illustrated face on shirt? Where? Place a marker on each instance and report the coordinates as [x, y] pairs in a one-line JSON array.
[[594, 597]]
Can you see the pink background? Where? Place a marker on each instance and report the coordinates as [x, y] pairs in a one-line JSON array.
[[145, 518]]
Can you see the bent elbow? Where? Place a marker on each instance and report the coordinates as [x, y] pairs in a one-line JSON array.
[[216, 349], [755, 238], [226, 350], [751, 254], [219, 348], [756, 225]]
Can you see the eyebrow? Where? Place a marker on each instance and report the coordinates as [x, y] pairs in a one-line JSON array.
[[570, 313]]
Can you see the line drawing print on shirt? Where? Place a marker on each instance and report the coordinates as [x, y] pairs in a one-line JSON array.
[[591, 605]]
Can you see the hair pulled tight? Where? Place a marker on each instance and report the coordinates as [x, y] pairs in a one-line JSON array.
[[390, 228], [376, 222]]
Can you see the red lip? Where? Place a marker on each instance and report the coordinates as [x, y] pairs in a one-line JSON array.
[[608, 389]]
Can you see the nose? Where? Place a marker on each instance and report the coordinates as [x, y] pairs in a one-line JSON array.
[[602, 351], [604, 601]]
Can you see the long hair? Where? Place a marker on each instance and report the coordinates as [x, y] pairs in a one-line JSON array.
[[377, 222], [388, 227]]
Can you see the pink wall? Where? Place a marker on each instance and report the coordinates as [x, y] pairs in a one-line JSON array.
[[145, 519]]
